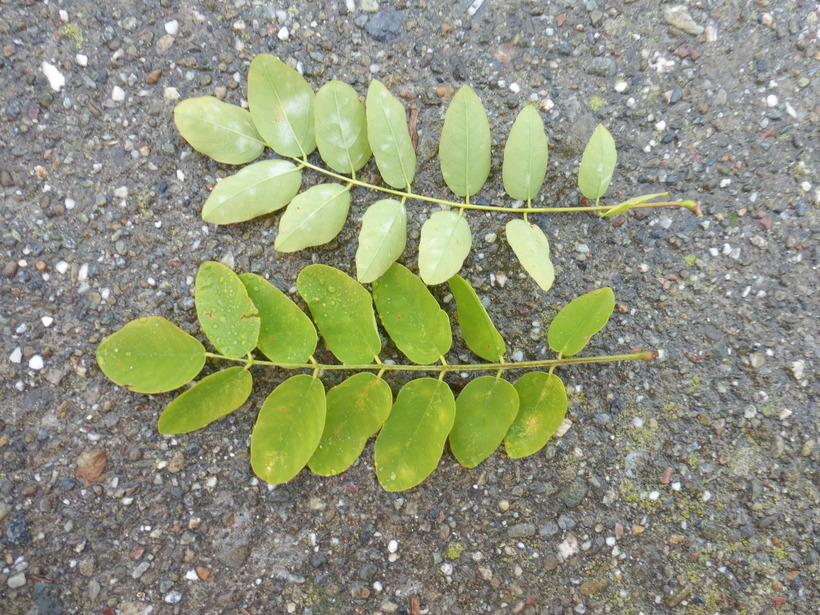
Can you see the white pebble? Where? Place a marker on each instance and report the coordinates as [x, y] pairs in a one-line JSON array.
[[569, 547], [70, 203], [707, 495], [283, 34], [654, 495], [447, 568], [117, 94], [36, 362], [191, 575], [173, 597], [392, 546], [637, 422], [515, 88], [563, 428], [121, 192], [81, 59], [378, 586], [675, 486], [18, 580], [621, 86], [63, 16], [172, 27], [16, 355], [61, 267], [171, 94], [660, 125], [771, 100], [490, 237], [785, 413], [55, 78], [47, 321]]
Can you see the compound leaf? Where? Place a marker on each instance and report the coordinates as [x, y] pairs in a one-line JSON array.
[[256, 190], [478, 330], [208, 400], [341, 127], [381, 240], [226, 313], [150, 355], [542, 407], [356, 409], [485, 409], [222, 131], [444, 245], [313, 218], [597, 164], [288, 429], [281, 104], [411, 315], [464, 150], [343, 311], [630, 203], [286, 334], [533, 250], [525, 156], [388, 136], [411, 442], [579, 320]]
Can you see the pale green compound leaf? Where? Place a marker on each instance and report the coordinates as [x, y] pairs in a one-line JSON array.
[[597, 164], [411, 315], [226, 313], [288, 429], [341, 127], [343, 311], [209, 399], [356, 409], [485, 409], [630, 203], [313, 218], [281, 105], [410, 444], [542, 407], [381, 240], [478, 330], [219, 130], [286, 334], [444, 245], [533, 250], [525, 156], [464, 149], [579, 320], [256, 190], [150, 355], [388, 136]]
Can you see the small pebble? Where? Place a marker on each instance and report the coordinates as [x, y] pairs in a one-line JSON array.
[[81, 59], [16, 355], [173, 597], [392, 546], [771, 100], [283, 34], [172, 27], [36, 362], [18, 580], [117, 94]]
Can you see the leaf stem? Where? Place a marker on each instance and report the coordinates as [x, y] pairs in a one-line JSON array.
[[644, 355], [690, 205]]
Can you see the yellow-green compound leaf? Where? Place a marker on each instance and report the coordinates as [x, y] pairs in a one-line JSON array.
[[388, 136], [281, 104], [288, 429], [579, 320], [444, 245], [478, 330], [411, 315], [630, 203], [542, 407], [525, 156], [410, 444], [224, 132], [533, 250], [313, 218], [485, 409], [256, 190], [150, 355], [286, 334], [341, 127], [226, 313], [343, 311], [356, 409], [597, 164], [381, 240], [208, 400], [464, 150]]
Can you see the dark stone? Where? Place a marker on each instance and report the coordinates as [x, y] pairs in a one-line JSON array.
[[675, 96], [47, 597], [762, 65], [573, 494], [17, 532], [6, 180], [385, 26]]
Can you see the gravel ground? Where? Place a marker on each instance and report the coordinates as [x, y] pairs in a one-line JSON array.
[[689, 485]]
